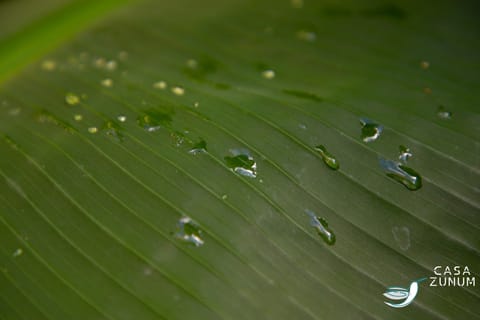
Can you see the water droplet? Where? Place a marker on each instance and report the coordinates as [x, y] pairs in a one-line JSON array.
[[107, 82], [402, 237], [322, 228], [224, 197], [14, 111], [17, 253], [160, 85], [306, 35], [297, 4], [92, 129], [100, 63], [442, 113], [112, 129], [77, 117], [405, 154], [122, 118], [196, 104], [111, 65], [242, 163], [302, 126], [72, 99], [268, 74], [188, 231], [177, 138], [123, 55], [424, 65], [402, 174], [192, 63], [427, 90], [49, 65], [303, 95], [179, 91], [370, 130], [199, 147], [152, 120], [327, 157]]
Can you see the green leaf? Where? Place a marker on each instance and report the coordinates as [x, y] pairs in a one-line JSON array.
[[173, 160]]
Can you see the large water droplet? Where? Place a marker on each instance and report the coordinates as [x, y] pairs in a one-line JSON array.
[[405, 154], [442, 113], [122, 118], [242, 163], [322, 228], [370, 130], [327, 157], [402, 237], [72, 99], [92, 130], [111, 65], [403, 174], [188, 231], [199, 147]]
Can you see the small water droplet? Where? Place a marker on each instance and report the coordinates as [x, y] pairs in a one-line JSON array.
[[302, 126], [242, 163], [268, 74], [224, 197], [107, 82], [122, 118], [123, 55], [199, 147], [442, 113], [402, 174], [153, 120], [370, 130], [322, 228], [427, 90], [196, 104], [177, 138], [159, 85], [77, 117], [405, 154], [297, 4], [402, 237], [92, 129], [14, 111], [192, 63], [188, 231], [179, 91], [327, 157], [424, 65], [111, 65], [17, 253], [306, 35], [49, 65], [72, 99], [113, 129], [100, 63]]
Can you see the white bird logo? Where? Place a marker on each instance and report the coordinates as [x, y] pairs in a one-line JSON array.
[[398, 293]]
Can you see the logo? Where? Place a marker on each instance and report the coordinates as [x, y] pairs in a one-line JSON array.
[[443, 276], [398, 293]]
